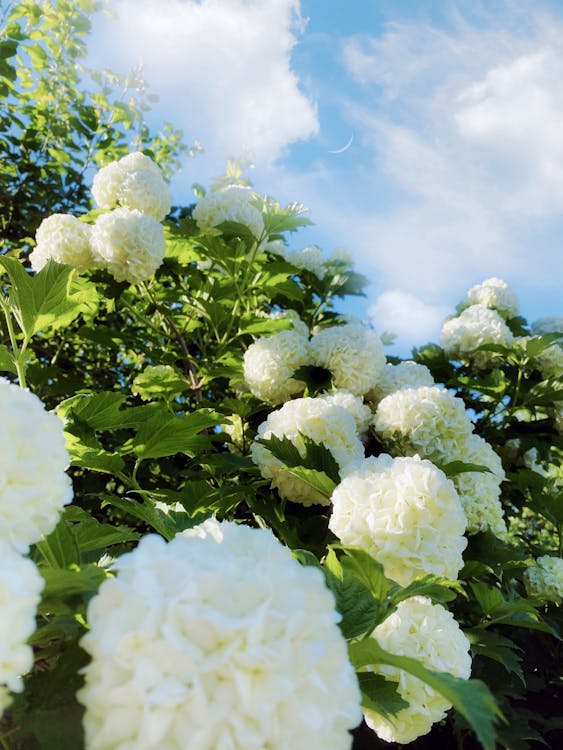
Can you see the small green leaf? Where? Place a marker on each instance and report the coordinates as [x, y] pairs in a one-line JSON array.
[[165, 434], [453, 468], [380, 695]]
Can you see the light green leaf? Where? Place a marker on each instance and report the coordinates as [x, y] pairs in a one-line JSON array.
[[165, 434], [380, 695]]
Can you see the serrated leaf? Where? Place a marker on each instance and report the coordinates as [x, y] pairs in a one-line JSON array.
[[380, 695], [368, 571], [72, 581], [165, 434], [472, 698], [491, 645], [59, 548], [317, 480], [316, 457], [145, 512], [360, 612], [437, 588], [453, 468], [7, 360]]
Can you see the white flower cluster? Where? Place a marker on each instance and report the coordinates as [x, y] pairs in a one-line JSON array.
[[354, 405], [477, 325], [431, 422], [33, 459], [129, 244], [397, 377], [545, 578], [427, 420], [479, 492], [323, 423], [293, 317], [218, 639], [20, 592], [429, 633], [232, 204], [270, 362], [550, 361], [353, 355], [133, 182], [494, 293], [64, 239], [405, 513]]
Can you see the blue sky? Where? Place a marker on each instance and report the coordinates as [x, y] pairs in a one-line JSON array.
[[425, 137]]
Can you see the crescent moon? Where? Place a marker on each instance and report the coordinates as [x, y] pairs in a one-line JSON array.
[[344, 148]]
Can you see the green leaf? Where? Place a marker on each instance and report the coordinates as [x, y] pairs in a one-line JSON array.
[[380, 695], [72, 581], [59, 549], [162, 382], [437, 588], [316, 457], [91, 535], [7, 363], [49, 300], [165, 434], [317, 480], [368, 571], [453, 468], [537, 344], [498, 648], [472, 698], [145, 512], [360, 611]]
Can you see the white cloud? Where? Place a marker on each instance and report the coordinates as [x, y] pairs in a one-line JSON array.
[[413, 321], [222, 70]]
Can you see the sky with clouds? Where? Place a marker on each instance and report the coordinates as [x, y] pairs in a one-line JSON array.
[[425, 137]]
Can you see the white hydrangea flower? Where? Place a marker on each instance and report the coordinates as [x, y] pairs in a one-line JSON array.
[[33, 458], [475, 326], [341, 255], [133, 182], [293, 317], [545, 579], [427, 420], [551, 324], [20, 593], [479, 492], [309, 259], [321, 422], [405, 512], [64, 239], [396, 377], [129, 244], [355, 406], [429, 633], [270, 362], [218, 639], [233, 203], [531, 461], [494, 293], [353, 355], [550, 361]]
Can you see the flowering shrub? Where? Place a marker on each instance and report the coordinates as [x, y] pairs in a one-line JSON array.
[[200, 371]]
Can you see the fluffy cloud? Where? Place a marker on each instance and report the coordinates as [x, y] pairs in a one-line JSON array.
[[408, 317], [221, 68]]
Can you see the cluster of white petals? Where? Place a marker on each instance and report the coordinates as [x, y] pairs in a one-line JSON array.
[[494, 293], [405, 512], [218, 639], [293, 317], [545, 578], [477, 325], [270, 362], [342, 256], [64, 239], [355, 406], [429, 633], [550, 361], [129, 244], [352, 353], [308, 259], [133, 182], [551, 324], [427, 420], [20, 593], [232, 204], [479, 492], [323, 423], [396, 377], [33, 459]]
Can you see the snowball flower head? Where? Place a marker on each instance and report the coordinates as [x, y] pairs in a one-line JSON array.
[[427, 420], [270, 362], [218, 639], [429, 633], [494, 293], [396, 377], [325, 424], [20, 593], [545, 579], [479, 492], [134, 182], [309, 259], [550, 361], [353, 355], [64, 239], [129, 244], [354, 405], [33, 458], [405, 513], [477, 325], [233, 203]]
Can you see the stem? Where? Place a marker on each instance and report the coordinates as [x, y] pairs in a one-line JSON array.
[[18, 354]]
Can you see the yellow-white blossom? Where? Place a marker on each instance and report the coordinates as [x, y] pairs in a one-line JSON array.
[[64, 239], [269, 364], [494, 293], [545, 578], [232, 204]]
